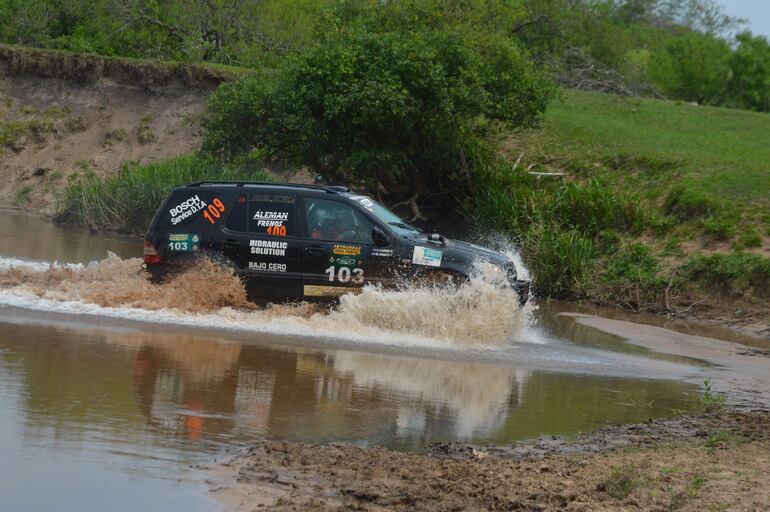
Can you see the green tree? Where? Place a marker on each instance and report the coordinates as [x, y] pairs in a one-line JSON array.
[[399, 108], [749, 86], [693, 67]]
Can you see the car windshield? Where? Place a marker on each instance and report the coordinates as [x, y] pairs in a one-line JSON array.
[[396, 223]]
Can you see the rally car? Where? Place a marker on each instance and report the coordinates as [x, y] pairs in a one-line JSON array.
[[292, 241]]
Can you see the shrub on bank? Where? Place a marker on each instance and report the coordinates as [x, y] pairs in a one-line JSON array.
[[127, 200]]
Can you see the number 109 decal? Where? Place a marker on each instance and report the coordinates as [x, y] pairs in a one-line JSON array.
[[345, 274]]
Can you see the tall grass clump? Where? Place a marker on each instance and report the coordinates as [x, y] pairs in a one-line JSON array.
[[731, 274], [562, 225], [128, 200]]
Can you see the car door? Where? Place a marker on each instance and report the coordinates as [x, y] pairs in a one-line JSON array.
[[261, 238], [337, 249], [275, 245]]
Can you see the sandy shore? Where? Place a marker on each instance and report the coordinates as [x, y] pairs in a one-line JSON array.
[[717, 461]]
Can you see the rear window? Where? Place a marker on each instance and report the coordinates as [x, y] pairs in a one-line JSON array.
[[193, 208]]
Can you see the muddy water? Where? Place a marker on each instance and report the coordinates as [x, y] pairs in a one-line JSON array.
[[110, 389]]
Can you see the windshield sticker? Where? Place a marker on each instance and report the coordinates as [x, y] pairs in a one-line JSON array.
[[364, 201], [427, 256], [346, 250], [183, 242], [267, 267], [383, 253], [186, 208], [268, 247]]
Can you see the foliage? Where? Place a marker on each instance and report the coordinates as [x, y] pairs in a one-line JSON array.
[[710, 399], [749, 85], [402, 108], [243, 32], [693, 67], [563, 226], [128, 200], [731, 273]]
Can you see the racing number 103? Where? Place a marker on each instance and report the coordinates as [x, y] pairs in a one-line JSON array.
[[343, 274], [214, 210]]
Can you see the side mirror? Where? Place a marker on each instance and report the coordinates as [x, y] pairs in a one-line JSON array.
[[379, 238]]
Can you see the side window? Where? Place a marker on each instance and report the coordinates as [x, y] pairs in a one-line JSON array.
[[272, 215], [237, 220], [330, 220]]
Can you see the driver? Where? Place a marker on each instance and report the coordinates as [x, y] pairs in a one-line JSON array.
[[325, 222]]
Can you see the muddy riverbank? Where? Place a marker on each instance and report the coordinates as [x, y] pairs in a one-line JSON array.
[[714, 461]]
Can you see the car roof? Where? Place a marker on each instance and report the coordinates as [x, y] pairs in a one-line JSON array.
[[328, 189]]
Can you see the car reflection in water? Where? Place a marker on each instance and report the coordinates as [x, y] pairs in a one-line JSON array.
[[196, 387]]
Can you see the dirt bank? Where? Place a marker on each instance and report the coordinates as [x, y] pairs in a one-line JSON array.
[[718, 461], [63, 114]]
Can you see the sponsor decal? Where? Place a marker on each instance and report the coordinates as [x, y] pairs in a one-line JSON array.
[[264, 266], [214, 211], [311, 290], [186, 208], [345, 261], [382, 253], [273, 221], [345, 274], [347, 250], [183, 242], [268, 247], [266, 218], [427, 256]]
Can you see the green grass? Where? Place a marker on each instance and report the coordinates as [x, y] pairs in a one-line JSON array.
[[649, 187], [126, 201], [723, 152]]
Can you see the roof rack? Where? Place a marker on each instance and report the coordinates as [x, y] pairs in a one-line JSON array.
[[331, 189]]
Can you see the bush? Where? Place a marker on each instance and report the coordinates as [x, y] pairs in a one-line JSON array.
[[731, 274], [561, 261], [128, 200], [686, 202], [749, 85], [720, 228], [398, 108]]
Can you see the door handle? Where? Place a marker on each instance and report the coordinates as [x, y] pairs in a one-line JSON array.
[[315, 249], [231, 244]]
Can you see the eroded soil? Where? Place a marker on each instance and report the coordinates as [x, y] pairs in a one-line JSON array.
[[715, 461]]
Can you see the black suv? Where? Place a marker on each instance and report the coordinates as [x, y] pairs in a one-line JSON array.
[[292, 241]]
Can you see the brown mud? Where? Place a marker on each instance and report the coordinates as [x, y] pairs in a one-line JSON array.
[[714, 461], [64, 114]]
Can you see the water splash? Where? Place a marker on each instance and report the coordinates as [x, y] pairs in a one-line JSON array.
[[483, 311]]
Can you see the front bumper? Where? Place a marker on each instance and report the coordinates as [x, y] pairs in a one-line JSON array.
[[522, 290]]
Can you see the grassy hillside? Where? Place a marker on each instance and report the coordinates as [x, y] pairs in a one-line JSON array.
[[726, 151], [662, 205], [705, 170]]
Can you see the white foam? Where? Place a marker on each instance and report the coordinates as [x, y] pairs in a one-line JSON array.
[[226, 319], [7, 263]]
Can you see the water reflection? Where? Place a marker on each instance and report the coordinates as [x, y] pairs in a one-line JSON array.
[[187, 395], [38, 239]]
